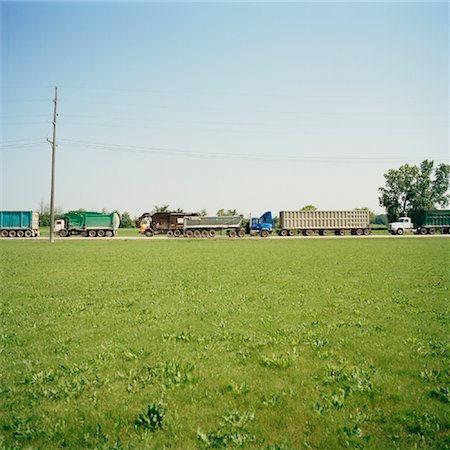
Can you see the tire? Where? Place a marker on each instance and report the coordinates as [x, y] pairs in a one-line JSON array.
[[444, 230], [309, 232], [264, 233], [324, 233], [170, 233], [63, 232], [241, 233], [366, 231], [4, 233], [83, 234], [291, 233], [339, 233], [232, 234], [399, 231], [28, 233], [359, 232], [101, 233], [109, 234], [92, 233], [20, 234], [212, 233], [283, 233], [423, 231], [431, 230], [205, 234], [149, 232], [177, 233], [189, 233], [197, 234], [12, 233]]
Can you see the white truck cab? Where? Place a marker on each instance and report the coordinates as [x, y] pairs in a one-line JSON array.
[[403, 224], [59, 225]]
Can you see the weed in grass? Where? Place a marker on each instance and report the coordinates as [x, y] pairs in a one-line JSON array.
[[442, 394], [152, 418], [236, 388]]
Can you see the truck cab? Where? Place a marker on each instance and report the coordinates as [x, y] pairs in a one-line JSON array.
[[262, 226], [403, 224]]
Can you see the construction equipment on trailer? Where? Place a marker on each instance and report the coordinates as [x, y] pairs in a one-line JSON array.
[[19, 224], [324, 222]]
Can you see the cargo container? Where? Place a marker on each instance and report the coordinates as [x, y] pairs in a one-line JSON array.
[[88, 223], [170, 223], [19, 224], [324, 222], [198, 226], [423, 222]]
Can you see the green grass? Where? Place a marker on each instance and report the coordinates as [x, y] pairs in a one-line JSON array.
[[217, 343]]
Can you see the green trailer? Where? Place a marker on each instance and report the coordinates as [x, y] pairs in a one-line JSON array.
[[429, 222], [88, 223]]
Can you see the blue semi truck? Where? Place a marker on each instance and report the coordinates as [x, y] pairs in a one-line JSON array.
[[19, 224]]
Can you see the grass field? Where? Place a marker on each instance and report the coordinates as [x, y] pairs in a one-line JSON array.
[[216, 343]]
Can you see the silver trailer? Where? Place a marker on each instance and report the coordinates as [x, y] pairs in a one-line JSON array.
[[324, 222], [198, 226]]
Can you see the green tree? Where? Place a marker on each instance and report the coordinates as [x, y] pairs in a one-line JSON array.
[[203, 212], [126, 221], [414, 187], [308, 208], [44, 214], [380, 219], [179, 210], [164, 208], [228, 212]]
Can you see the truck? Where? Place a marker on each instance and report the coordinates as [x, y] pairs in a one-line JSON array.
[[169, 223], [87, 223], [261, 226], [199, 226], [19, 224], [308, 223], [422, 222]]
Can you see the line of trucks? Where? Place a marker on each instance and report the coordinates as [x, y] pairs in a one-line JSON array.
[[192, 225]]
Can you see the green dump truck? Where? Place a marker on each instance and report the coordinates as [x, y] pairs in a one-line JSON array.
[[423, 222], [88, 223]]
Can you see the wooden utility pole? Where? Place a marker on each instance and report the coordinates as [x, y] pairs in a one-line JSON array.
[[52, 190]]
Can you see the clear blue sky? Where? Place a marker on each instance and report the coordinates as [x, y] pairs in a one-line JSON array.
[[253, 106]]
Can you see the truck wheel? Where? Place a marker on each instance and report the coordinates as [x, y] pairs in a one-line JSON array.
[[264, 233], [283, 233], [366, 231], [444, 230], [309, 232], [177, 233], [109, 234], [399, 231], [339, 233], [63, 232], [241, 233], [205, 233], [324, 233], [170, 233], [431, 230], [189, 233], [212, 233], [359, 232], [149, 232], [101, 233], [423, 231], [291, 233], [20, 233], [232, 234], [197, 234], [12, 233], [28, 233], [92, 233], [4, 233]]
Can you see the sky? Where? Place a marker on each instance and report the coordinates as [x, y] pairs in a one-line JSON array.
[[246, 106]]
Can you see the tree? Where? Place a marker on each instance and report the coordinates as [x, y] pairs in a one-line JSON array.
[[308, 208], [179, 210], [126, 221], [414, 188], [380, 219], [229, 212], [164, 208], [203, 212], [44, 214], [372, 215]]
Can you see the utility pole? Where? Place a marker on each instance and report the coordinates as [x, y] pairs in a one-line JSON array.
[[52, 190]]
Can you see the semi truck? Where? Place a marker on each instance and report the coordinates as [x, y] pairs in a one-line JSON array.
[[324, 222], [422, 222], [19, 224], [170, 223], [261, 226], [88, 223]]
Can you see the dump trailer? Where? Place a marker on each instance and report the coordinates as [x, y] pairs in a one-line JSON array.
[[19, 224], [198, 226], [324, 222], [88, 223], [170, 223], [422, 222]]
